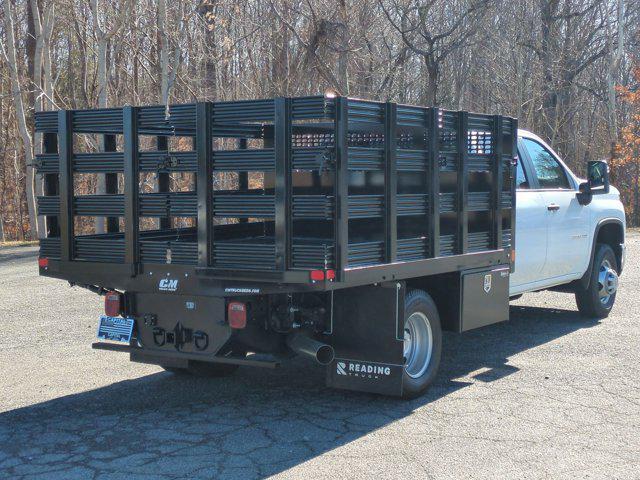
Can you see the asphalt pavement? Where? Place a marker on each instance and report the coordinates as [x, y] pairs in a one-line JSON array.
[[546, 395]]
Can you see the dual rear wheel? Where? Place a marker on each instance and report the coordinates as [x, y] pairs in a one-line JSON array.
[[422, 343]]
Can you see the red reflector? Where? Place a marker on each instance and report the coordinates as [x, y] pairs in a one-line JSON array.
[[43, 262], [316, 275], [331, 275], [237, 314], [112, 304]]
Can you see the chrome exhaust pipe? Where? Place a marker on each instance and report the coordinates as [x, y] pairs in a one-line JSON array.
[[308, 347]]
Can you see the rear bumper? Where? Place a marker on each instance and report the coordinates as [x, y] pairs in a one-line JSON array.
[[179, 359]]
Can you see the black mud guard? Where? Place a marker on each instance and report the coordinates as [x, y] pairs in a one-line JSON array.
[[367, 332]]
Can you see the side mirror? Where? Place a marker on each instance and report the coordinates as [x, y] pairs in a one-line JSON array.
[[584, 194], [598, 177]]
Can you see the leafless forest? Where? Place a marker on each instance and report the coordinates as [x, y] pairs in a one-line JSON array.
[[565, 68]]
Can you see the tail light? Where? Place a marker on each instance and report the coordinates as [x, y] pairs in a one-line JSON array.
[[320, 275], [113, 304], [237, 315], [43, 262], [316, 275]]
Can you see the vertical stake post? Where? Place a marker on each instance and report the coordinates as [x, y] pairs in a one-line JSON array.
[[391, 182], [204, 182], [512, 169], [243, 177], [342, 186], [131, 186], [497, 169], [463, 183], [433, 177], [65, 182], [282, 145]]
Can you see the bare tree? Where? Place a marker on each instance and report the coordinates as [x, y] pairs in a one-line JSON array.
[[103, 35], [42, 78], [615, 58], [558, 65], [167, 74], [434, 30], [10, 56]]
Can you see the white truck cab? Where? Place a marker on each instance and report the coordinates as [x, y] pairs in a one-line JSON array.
[[569, 236]]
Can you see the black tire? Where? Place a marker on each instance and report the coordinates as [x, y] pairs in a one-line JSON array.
[[417, 301], [588, 299]]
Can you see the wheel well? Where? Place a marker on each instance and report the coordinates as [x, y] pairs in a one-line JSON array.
[[444, 289], [613, 235], [610, 233]]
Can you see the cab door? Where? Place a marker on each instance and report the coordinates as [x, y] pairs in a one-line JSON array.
[[531, 231], [567, 221]]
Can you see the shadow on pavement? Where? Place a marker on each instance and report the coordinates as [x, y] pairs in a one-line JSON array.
[[254, 424]]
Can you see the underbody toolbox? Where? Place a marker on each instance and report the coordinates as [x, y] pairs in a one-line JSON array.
[[484, 299]]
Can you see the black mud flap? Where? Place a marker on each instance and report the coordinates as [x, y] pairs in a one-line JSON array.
[[367, 336]]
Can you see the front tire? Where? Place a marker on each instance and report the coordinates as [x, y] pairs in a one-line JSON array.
[[422, 343], [596, 301]]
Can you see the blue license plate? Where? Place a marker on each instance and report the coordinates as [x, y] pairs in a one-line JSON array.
[[118, 329]]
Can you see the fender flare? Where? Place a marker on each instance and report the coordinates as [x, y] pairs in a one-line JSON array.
[[586, 277]]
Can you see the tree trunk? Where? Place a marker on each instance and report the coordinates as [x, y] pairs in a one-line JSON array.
[[343, 45], [615, 57], [636, 196], [280, 62], [430, 88], [39, 100], [549, 99], [103, 37], [163, 51], [9, 52], [206, 9], [30, 44]]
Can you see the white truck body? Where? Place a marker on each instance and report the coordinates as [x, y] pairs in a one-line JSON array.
[[555, 234]]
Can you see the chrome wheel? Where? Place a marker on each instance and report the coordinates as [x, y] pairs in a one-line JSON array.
[[607, 282], [418, 344]]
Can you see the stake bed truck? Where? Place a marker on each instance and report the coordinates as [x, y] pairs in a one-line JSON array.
[[349, 231]]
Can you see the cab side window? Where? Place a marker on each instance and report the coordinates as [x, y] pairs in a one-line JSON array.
[[548, 170]]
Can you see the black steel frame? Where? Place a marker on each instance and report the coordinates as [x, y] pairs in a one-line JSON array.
[[344, 137]]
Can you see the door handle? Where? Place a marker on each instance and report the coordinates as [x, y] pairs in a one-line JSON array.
[[553, 207]]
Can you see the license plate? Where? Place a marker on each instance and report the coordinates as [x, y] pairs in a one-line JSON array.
[[118, 329]]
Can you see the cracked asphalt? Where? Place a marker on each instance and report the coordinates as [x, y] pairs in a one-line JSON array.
[[546, 395]]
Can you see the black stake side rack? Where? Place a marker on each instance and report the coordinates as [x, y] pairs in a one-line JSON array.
[[369, 190]]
